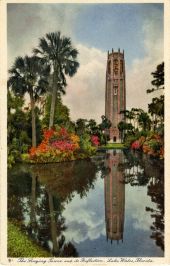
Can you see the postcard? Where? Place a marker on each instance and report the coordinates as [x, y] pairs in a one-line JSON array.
[[84, 132]]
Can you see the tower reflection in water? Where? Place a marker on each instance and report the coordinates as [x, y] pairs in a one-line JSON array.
[[114, 188]]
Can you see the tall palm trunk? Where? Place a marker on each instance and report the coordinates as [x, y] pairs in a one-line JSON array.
[[53, 105], [33, 121], [53, 99]]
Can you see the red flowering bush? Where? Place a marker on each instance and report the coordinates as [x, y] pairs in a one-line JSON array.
[[95, 140], [57, 145], [48, 133], [135, 145]]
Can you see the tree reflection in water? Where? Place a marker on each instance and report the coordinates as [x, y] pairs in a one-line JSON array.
[[39, 210], [140, 170], [38, 194]]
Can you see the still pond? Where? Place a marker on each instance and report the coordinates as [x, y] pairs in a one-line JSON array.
[[109, 206]]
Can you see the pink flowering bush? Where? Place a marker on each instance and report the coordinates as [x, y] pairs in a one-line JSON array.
[[64, 145], [95, 140]]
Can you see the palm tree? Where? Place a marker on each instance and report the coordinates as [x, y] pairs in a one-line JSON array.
[[57, 50], [29, 75], [144, 120]]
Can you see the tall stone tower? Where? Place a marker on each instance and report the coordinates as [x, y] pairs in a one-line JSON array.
[[115, 94]]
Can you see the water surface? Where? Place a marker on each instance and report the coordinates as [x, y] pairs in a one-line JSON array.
[[110, 206]]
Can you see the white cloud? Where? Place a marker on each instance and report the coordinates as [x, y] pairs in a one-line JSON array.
[[139, 76], [86, 90], [28, 23], [135, 207]]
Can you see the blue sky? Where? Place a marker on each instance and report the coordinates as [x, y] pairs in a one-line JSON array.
[[94, 29], [105, 26]]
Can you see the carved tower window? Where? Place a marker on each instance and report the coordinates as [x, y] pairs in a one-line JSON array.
[[116, 82], [116, 66], [115, 88]]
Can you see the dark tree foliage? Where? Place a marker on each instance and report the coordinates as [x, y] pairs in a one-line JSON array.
[[158, 78]]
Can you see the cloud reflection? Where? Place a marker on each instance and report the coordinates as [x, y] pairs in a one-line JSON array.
[[135, 208], [82, 224]]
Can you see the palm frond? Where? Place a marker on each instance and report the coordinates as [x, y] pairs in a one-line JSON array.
[[74, 53], [29, 74], [66, 42], [71, 67], [37, 51], [19, 63], [60, 57]]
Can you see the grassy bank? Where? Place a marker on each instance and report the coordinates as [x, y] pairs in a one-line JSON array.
[[112, 146], [20, 245]]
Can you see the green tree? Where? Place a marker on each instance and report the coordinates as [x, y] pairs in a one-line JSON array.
[[18, 139], [61, 115], [158, 81], [122, 126], [29, 75], [57, 50], [125, 127], [104, 126], [129, 115], [144, 120], [156, 109], [81, 126], [92, 127], [134, 113]]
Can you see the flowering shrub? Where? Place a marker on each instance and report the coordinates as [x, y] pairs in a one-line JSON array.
[[60, 145], [152, 145], [48, 133], [86, 145], [63, 145], [57, 145], [95, 140], [135, 145]]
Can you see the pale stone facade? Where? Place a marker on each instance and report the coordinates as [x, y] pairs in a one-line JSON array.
[[115, 93]]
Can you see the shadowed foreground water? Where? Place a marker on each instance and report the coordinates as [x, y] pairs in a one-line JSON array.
[[110, 206]]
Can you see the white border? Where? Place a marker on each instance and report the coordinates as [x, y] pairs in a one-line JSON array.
[[3, 133]]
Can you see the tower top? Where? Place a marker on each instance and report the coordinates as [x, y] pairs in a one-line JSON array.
[[116, 52]]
